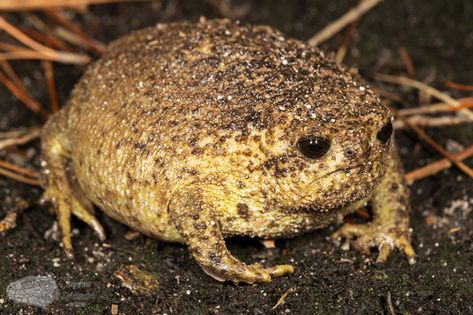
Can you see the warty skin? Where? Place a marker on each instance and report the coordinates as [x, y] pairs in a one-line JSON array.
[[190, 133]]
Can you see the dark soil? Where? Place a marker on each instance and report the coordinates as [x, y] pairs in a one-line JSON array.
[[328, 280]]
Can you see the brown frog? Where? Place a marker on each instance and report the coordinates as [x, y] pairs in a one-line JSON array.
[[194, 132]]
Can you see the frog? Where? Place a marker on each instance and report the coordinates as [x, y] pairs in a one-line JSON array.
[[194, 132]]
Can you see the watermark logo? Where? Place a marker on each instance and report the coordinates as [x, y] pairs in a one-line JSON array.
[[76, 294], [37, 291], [41, 291]]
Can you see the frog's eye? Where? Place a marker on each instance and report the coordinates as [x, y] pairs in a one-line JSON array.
[[313, 147], [384, 134]]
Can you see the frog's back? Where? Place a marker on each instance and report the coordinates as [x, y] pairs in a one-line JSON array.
[[165, 88]]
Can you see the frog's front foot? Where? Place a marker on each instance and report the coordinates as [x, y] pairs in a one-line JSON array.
[[363, 237], [193, 215], [238, 271]]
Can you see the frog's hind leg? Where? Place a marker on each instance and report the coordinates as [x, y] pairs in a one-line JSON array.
[[65, 195]]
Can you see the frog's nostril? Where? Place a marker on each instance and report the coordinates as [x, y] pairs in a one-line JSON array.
[[350, 153]]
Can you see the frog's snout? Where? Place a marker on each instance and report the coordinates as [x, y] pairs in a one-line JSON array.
[[357, 152]]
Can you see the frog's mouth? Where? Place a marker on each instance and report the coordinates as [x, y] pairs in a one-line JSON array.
[[349, 195], [343, 169], [338, 170]]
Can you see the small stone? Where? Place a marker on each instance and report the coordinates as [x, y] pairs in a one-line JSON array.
[[56, 262], [114, 309], [346, 246]]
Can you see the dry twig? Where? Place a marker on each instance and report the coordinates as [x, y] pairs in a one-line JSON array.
[[387, 94], [458, 86], [61, 19], [429, 90], [451, 102], [34, 55], [389, 301], [283, 297], [51, 41], [435, 167], [428, 121], [19, 178], [70, 37], [15, 5], [227, 9], [342, 50], [24, 98], [426, 138], [407, 61], [18, 137], [49, 74], [13, 76], [338, 24], [466, 102], [38, 51], [19, 169]]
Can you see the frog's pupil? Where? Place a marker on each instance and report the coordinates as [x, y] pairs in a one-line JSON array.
[[385, 132], [313, 147]]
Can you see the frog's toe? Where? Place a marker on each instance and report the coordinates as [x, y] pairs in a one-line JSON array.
[[254, 273], [280, 270], [403, 243], [258, 273], [63, 212], [85, 213], [348, 231], [274, 271], [390, 242], [354, 234], [244, 273], [363, 237]]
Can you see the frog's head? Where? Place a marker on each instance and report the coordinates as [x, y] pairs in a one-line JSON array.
[[333, 154]]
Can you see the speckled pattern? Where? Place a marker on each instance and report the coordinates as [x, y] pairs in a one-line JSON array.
[[187, 133]]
